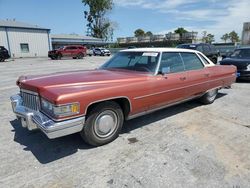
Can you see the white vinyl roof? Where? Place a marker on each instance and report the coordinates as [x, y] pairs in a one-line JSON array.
[[158, 50]]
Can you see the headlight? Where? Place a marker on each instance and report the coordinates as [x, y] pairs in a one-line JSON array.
[[61, 110]]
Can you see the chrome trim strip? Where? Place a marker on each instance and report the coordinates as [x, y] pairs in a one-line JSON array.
[[157, 93], [107, 99], [28, 91], [162, 107], [166, 91], [158, 65]]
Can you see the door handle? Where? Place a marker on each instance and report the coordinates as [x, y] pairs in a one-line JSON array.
[[183, 78], [207, 75]]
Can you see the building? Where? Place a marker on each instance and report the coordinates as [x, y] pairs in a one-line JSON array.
[[246, 33], [60, 40], [170, 37], [24, 40], [173, 36]]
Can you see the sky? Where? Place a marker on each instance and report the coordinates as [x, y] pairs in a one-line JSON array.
[[158, 16]]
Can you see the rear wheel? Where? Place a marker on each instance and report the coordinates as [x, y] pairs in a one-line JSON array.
[[214, 60], [209, 97], [103, 123], [80, 56]]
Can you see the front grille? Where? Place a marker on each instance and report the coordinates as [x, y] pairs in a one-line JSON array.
[[30, 99]]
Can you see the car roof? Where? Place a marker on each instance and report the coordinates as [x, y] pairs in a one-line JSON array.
[[158, 50], [243, 48]]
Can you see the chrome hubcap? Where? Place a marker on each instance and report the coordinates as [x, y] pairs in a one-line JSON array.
[[105, 123]]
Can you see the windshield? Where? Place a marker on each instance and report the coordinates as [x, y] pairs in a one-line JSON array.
[[134, 61], [241, 53]]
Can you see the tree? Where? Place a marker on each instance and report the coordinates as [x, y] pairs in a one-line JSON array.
[[149, 33], [210, 38], [234, 36], [225, 37], [139, 33], [98, 24], [207, 37], [180, 31]]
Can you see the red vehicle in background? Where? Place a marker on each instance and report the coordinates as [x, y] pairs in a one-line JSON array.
[[74, 51]]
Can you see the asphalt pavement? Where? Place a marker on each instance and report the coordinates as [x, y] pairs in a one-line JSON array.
[[188, 145]]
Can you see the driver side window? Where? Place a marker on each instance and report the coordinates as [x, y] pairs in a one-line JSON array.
[[171, 61]]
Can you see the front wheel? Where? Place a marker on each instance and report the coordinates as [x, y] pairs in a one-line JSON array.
[[59, 56], [103, 123], [209, 97]]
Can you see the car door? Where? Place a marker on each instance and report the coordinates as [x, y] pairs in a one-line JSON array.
[[67, 51], [97, 51], [197, 75], [170, 84], [73, 51]]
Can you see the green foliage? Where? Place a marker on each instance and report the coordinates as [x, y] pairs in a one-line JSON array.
[[180, 31], [139, 33], [210, 38], [207, 37], [234, 37], [99, 25], [142, 33], [225, 37], [149, 33]]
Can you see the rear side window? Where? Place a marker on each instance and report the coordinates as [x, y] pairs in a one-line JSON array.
[[171, 61], [199, 48], [191, 61], [206, 48], [213, 49]]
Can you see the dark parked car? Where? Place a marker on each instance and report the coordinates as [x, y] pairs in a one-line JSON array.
[[101, 51], [208, 49], [4, 54], [75, 51], [241, 59]]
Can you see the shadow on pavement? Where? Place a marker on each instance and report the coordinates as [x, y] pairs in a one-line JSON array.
[[46, 150]]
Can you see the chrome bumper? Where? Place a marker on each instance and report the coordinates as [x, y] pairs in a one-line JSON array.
[[36, 120]]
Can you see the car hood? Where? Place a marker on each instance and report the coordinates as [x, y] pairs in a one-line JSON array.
[[239, 63], [52, 86]]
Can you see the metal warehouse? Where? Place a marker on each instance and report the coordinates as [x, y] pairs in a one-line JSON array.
[[24, 40]]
